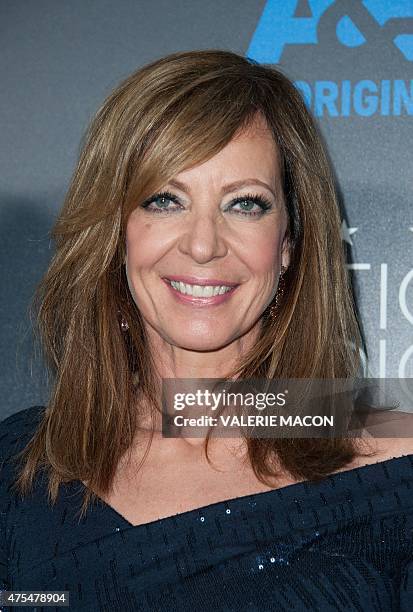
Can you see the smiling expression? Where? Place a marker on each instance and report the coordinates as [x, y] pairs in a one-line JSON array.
[[203, 254]]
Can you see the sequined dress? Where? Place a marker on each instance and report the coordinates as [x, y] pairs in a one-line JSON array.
[[343, 544]]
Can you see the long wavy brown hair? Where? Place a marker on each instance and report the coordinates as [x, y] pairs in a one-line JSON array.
[[173, 113]]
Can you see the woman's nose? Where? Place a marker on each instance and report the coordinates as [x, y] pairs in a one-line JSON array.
[[202, 238]]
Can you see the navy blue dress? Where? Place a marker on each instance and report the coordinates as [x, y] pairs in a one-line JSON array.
[[345, 543]]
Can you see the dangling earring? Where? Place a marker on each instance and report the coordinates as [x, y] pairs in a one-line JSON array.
[[124, 325], [280, 291]]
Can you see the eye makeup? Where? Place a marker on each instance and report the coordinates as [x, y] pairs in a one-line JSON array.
[[259, 201]]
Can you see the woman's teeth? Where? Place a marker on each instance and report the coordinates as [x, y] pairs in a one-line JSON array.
[[200, 290]]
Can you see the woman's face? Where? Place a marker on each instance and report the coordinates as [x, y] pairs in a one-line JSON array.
[[203, 262]]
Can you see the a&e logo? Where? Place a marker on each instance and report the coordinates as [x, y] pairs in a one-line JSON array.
[[362, 35]]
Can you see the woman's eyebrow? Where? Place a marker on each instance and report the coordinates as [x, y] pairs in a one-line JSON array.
[[227, 188]]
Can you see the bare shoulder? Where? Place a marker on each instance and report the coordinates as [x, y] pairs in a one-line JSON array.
[[393, 437], [386, 437]]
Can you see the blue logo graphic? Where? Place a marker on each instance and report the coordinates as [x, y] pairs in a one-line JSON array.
[[377, 25], [297, 22]]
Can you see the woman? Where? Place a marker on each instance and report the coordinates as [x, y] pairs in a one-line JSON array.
[[200, 238]]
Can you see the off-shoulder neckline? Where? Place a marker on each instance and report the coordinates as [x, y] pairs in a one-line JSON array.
[[339, 480]]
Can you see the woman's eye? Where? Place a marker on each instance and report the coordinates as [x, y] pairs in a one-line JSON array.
[[160, 203], [251, 206]]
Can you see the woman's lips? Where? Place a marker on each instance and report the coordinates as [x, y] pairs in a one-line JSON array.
[[193, 280], [200, 301]]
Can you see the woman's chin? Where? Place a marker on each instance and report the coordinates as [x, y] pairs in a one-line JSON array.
[[202, 343]]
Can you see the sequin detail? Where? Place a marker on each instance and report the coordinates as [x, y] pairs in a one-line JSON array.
[[344, 543]]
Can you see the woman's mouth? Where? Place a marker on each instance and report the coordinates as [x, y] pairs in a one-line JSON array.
[[200, 294]]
